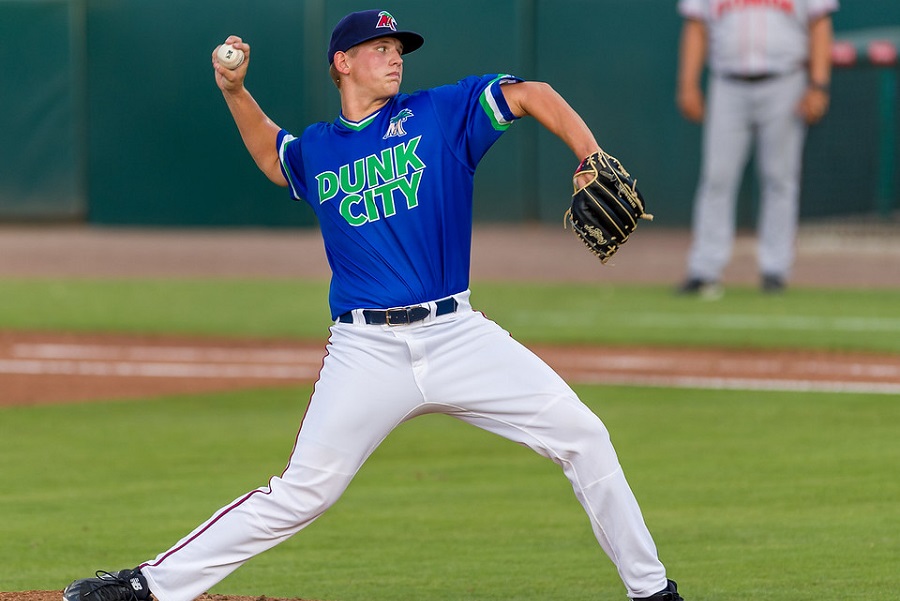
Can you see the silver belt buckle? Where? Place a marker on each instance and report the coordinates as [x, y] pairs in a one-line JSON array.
[[401, 316], [398, 311]]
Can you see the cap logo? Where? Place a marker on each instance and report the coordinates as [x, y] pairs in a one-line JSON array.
[[386, 21], [368, 25]]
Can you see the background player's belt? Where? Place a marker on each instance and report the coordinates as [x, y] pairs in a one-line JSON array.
[[402, 315], [752, 78]]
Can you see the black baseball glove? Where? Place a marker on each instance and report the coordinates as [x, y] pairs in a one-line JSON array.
[[605, 210]]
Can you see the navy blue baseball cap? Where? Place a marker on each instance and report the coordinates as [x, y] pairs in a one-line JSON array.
[[366, 25]]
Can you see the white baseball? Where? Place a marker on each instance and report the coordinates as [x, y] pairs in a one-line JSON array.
[[229, 56]]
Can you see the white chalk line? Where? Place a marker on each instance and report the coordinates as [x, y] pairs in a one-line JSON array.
[[155, 369], [304, 365], [724, 322], [751, 384], [765, 367], [162, 361], [165, 353]]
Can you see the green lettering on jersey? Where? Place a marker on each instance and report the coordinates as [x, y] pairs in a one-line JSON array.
[[347, 210], [386, 192], [359, 177], [369, 183], [410, 189], [371, 207], [405, 157], [328, 185], [382, 168]]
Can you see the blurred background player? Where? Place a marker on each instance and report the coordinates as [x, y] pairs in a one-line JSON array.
[[769, 73]]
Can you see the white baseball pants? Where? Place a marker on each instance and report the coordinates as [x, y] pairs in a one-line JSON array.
[[376, 377]]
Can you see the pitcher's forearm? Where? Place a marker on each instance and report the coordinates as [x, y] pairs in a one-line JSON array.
[[258, 132]]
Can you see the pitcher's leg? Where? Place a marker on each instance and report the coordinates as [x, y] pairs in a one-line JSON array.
[[579, 443], [250, 525], [511, 392], [359, 398]]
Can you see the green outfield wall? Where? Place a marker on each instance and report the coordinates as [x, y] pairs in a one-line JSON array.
[[42, 127], [111, 114]]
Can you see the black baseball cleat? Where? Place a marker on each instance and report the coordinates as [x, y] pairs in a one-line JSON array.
[[704, 289], [126, 585], [670, 593], [772, 284]]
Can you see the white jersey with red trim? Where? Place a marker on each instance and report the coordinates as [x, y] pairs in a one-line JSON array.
[[754, 37]]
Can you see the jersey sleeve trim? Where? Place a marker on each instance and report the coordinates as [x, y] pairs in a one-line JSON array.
[[494, 103], [284, 138]]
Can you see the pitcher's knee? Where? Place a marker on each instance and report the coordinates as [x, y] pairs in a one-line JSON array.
[[587, 439], [292, 504]]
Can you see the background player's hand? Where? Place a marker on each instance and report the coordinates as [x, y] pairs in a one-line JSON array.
[[690, 103], [813, 105], [230, 80]]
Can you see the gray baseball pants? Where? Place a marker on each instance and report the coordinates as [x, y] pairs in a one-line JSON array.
[[738, 114]]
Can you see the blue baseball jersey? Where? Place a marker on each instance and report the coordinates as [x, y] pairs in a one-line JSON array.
[[393, 192]]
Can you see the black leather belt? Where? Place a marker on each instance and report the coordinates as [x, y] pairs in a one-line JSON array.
[[751, 78], [402, 315]]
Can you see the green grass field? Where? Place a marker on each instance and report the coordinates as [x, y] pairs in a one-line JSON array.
[[766, 495], [827, 319]]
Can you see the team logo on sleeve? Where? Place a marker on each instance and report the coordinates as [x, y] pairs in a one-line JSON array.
[[386, 21], [395, 129]]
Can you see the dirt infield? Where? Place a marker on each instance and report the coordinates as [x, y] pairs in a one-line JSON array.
[[55, 368], [46, 367]]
